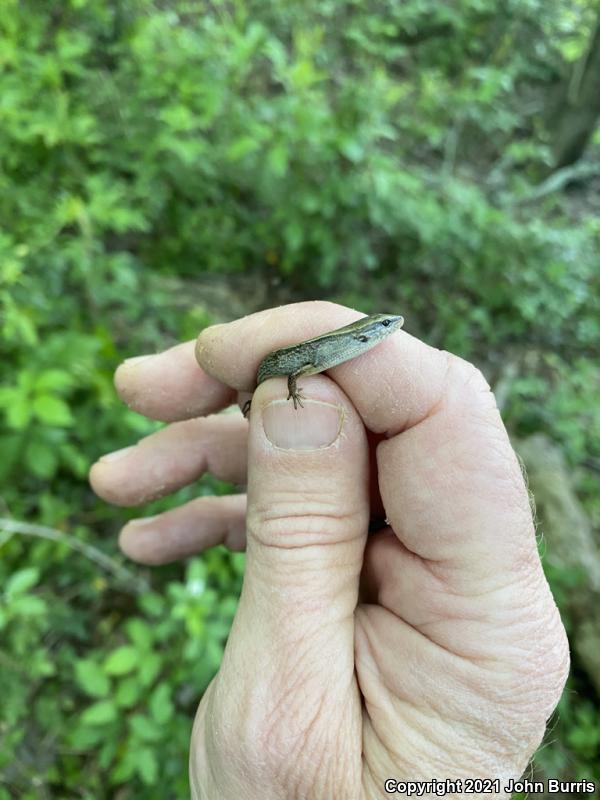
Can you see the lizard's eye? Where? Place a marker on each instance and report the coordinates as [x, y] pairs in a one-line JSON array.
[[386, 322]]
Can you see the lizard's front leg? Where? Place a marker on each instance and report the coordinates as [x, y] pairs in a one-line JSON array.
[[293, 389]]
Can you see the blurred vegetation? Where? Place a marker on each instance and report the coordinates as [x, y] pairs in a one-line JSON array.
[[437, 158]]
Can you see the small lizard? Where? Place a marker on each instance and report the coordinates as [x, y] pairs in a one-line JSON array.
[[322, 352]]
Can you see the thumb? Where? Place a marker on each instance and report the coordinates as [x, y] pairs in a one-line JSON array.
[[286, 694], [308, 505], [308, 510]]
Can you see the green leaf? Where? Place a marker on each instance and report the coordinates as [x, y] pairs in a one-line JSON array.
[[242, 147], [10, 446], [91, 678], [125, 768], [152, 604], [294, 235], [53, 380], [83, 737], [128, 692], [145, 728], [161, 706], [108, 752], [121, 661], [278, 159], [352, 149], [140, 633], [149, 668], [19, 582], [52, 410], [8, 396], [100, 713], [41, 459], [28, 606], [147, 765], [74, 459], [19, 414]]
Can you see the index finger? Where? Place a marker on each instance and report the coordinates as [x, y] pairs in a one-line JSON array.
[[392, 386], [170, 386]]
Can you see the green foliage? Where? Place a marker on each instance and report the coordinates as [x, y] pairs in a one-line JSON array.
[[119, 698], [382, 154]]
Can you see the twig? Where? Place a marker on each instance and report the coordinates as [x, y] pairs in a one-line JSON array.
[[133, 583], [558, 180]]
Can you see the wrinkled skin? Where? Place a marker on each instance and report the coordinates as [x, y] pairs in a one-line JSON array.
[[430, 649]]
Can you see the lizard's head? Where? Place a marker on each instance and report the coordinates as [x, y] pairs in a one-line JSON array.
[[385, 323], [375, 327]]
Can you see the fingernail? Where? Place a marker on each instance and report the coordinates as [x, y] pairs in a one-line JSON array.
[[117, 454], [141, 521], [311, 427], [130, 362]]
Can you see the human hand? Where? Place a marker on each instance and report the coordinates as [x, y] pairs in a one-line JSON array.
[[431, 649]]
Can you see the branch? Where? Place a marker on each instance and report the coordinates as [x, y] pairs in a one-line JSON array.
[[558, 180], [133, 583]]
